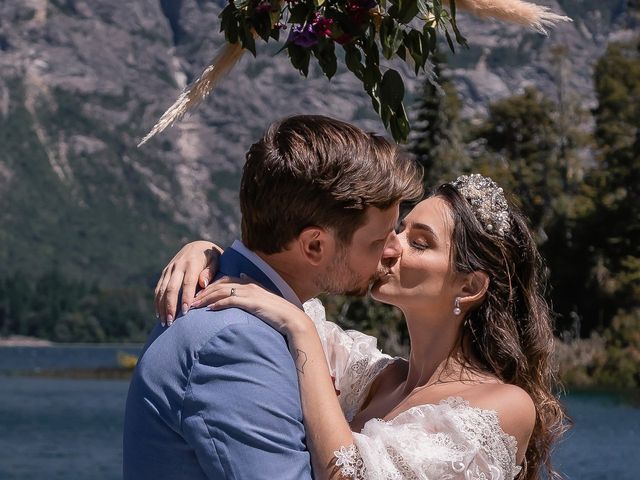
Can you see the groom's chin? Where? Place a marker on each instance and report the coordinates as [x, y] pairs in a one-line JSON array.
[[357, 292], [362, 290]]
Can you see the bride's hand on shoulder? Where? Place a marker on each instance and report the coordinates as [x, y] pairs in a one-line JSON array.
[[248, 295], [195, 264]]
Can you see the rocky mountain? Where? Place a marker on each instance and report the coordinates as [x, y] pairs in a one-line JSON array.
[[82, 81]]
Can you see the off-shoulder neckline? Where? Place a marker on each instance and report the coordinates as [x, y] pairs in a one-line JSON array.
[[457, 402]]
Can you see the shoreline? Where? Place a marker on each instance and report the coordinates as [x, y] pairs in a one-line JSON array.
[[23, 341]]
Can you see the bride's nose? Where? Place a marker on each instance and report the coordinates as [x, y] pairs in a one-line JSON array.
[[392, 248]]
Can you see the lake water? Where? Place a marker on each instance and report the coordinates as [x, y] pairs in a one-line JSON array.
[[57, 428]]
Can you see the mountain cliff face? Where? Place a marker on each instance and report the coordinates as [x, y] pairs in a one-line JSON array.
[[82, 81]]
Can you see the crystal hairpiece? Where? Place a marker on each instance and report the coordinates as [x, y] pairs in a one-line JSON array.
[[487, 202]]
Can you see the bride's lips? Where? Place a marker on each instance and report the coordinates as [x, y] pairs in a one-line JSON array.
[[382, 277]]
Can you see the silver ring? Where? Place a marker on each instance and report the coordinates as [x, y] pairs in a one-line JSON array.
[[233, 292]]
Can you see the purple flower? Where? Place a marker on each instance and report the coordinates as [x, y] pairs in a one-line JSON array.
[[303, 36], [263, 7]]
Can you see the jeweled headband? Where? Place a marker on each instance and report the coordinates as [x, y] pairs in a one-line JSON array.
[[487, 202]]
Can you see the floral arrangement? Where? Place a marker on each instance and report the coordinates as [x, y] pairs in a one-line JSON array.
[[365, 30]]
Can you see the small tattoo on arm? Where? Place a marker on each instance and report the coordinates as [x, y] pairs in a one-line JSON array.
[[301, 360]]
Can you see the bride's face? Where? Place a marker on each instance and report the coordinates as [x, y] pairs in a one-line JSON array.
[[423, 276]]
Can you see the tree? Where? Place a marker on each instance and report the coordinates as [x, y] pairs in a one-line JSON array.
[[534, 151], [436, 141], [521, 138], [612, 226]]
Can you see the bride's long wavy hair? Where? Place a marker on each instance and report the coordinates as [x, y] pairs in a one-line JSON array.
[[511, 332]]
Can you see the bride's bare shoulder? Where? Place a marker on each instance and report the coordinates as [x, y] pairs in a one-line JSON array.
[[514, 406]]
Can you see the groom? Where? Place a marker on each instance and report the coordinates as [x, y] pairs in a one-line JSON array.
[[216, 395]]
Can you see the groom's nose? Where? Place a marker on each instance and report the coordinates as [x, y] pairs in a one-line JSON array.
[[392, 248]]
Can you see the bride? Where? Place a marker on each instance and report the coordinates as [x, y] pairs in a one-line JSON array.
[[474, 399]]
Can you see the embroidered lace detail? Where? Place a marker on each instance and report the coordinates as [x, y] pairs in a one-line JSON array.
[[350, 462], [364, 373], [483, 427], [353, 358], [450, 440]]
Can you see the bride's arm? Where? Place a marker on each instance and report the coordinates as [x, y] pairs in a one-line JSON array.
[[195, 264], [326, 427], [352, 357]]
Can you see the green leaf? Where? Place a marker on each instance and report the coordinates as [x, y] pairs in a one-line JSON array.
[[275, 34], [423, 8], [385, 114], [431, 33], [399, 123], [299, 58], [371, 55], [449, 41], [232, 32], [353, 59], [413, 42], [371, 76], [299, 13], [262, 25], [408, 11], [392, 89], [225, 16], [246, 37], [370, 38], [425, 40], [437, 11], [390, 37], [454, 25], [375, 99], [325, 53], [229, 23]]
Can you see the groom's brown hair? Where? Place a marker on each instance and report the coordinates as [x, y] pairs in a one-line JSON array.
[[312, 170]]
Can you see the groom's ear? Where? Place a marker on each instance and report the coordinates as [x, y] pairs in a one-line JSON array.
[[316, 245]]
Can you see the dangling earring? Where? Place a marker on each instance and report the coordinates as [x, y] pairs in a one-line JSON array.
[[456, 307]]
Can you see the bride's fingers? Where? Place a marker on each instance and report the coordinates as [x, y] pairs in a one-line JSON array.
[[160, 296], [234, 301], [223, 280], [216, 291]]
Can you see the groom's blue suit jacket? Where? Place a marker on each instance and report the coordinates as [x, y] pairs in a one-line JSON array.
[[215, 396]]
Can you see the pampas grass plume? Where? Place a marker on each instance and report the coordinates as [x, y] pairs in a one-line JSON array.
[[523, 13], [193, 95]]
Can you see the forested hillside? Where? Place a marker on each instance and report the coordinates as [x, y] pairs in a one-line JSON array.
[[87, 220]]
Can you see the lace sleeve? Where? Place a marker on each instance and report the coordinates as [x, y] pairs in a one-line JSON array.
[[353, 358], [450, 441]]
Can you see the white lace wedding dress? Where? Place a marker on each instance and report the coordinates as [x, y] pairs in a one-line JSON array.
[[450, 440]]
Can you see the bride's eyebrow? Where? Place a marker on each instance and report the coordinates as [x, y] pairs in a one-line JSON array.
[[422, 226]]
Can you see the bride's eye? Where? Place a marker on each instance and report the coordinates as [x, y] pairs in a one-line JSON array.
[[419, 244]]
